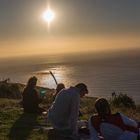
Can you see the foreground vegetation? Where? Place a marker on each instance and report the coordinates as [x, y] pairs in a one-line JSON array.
[[15, 125]]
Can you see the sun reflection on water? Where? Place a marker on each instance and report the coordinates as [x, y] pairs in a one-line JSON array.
[[46, 80]]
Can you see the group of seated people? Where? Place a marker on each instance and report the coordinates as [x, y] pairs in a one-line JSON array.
[[64, 114]]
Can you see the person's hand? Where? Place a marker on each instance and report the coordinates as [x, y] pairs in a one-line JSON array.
[[82, 123]]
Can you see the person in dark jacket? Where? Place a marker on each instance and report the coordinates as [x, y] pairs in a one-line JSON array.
[[31, 98]]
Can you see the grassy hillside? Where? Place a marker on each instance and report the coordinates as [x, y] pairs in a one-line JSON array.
[[15, 125]]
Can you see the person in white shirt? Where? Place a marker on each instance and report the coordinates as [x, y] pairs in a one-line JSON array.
[[64, 112], [108, 126]]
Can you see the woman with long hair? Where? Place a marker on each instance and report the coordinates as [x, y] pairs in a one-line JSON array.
[[31, 98]]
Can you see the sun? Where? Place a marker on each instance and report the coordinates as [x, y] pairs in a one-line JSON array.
[[48, 15]]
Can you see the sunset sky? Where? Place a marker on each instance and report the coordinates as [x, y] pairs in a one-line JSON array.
[[78, 25]]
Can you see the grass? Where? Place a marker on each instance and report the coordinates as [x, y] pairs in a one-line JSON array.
[[15, 125]]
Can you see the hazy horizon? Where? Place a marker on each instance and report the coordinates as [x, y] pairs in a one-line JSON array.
[[103, 73], [108, 55]]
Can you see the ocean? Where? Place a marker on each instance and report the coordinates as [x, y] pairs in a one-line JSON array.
[[103, 73]]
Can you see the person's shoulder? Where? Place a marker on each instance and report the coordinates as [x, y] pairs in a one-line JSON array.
[[63, 91], [34, 89], [73, 92], [117, 114], [25, 91], [95, 122]]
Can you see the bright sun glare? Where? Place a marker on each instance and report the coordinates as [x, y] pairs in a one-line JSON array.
[[48, 15]]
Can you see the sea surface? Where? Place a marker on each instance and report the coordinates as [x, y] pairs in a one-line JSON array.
[[103, 73]]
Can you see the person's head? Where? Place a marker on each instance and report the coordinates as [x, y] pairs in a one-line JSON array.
[[59, 87], [83, 89], [32, 82], [102, 106]]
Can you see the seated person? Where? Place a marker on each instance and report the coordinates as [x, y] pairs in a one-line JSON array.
[[112, 126], [59, 87], [31, 98], [63, 114]]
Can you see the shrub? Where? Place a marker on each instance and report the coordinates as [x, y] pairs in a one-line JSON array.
[[10, 90], [122, 100]]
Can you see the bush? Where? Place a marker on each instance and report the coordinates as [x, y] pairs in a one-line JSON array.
[[122, 100], [10, 90]]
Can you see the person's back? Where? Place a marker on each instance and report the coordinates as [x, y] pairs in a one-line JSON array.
[[31, 97], [60, 112], [64, 112], [31, 100]]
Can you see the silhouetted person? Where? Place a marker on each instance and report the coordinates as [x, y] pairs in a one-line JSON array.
[[31, 98], [64, 112], [112, 126], [59, 87]]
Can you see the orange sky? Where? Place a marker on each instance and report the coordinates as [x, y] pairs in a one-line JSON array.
[[65, 45]]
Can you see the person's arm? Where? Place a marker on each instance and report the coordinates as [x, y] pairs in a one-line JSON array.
[[37, 97], [129, 121], [93, 132]]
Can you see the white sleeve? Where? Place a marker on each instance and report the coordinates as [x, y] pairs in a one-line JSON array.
[[93, 132], [129, 121], [127, 135]]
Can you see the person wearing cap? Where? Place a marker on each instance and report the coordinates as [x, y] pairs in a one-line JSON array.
[[64, 112]]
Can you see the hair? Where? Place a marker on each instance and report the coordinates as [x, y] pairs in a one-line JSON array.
[[103, 108], [82, 87], [59, 87], [32, 82]]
